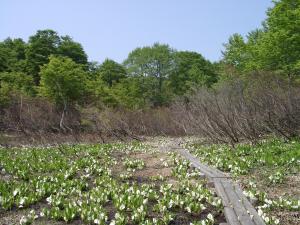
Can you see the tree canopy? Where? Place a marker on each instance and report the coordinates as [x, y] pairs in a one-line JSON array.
[[153, 65], [275, 47], [191, 70], [40, 47], [111, 72], [74, 50], [62, 80]]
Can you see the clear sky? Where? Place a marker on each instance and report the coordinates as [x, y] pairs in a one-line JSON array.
[[113, 28]]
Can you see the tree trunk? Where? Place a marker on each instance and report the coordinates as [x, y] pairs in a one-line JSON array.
[[61, 123]]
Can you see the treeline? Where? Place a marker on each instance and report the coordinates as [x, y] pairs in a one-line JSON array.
[[157, 89], [56, 67]]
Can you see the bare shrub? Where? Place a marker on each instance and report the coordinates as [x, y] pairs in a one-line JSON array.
[[25, 114], [126, 122], [242, 110], [39, 119]]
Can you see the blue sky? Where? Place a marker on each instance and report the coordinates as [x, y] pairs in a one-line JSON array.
[[113, 28]]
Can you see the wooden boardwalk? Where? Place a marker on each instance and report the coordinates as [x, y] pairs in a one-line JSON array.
[[237, 209]]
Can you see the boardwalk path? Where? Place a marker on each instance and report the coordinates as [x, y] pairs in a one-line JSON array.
[[238, 210]]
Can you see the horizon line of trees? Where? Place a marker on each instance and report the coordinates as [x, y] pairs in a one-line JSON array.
[[56, 67]]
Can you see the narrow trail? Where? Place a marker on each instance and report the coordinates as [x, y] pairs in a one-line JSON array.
[[237, 209]]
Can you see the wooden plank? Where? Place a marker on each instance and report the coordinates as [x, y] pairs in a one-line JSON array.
[[195, 163], [231, 216], [201, 175], [239, 208], [214, 173], [221, 193], [210, 183], [256, 218]]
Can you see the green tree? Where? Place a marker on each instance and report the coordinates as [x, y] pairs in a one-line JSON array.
[[40, 47], [243, 53], [100, 93], [235, 53], [276, 47], [73, 50], [111, 72], [15, 83], [191, 69], [280, 46], [128, 93], [4, 59], [12, 55], [153, 65], [252, 61], [63, 82]]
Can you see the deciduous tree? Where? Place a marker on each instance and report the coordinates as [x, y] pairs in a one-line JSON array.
[[40, 47], [73, 50], [111, 72], [63, 82], [154, 65]]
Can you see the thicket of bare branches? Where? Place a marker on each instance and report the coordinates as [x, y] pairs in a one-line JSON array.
[[37, 117], [242, 110], [231, 112], [29, 115]]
